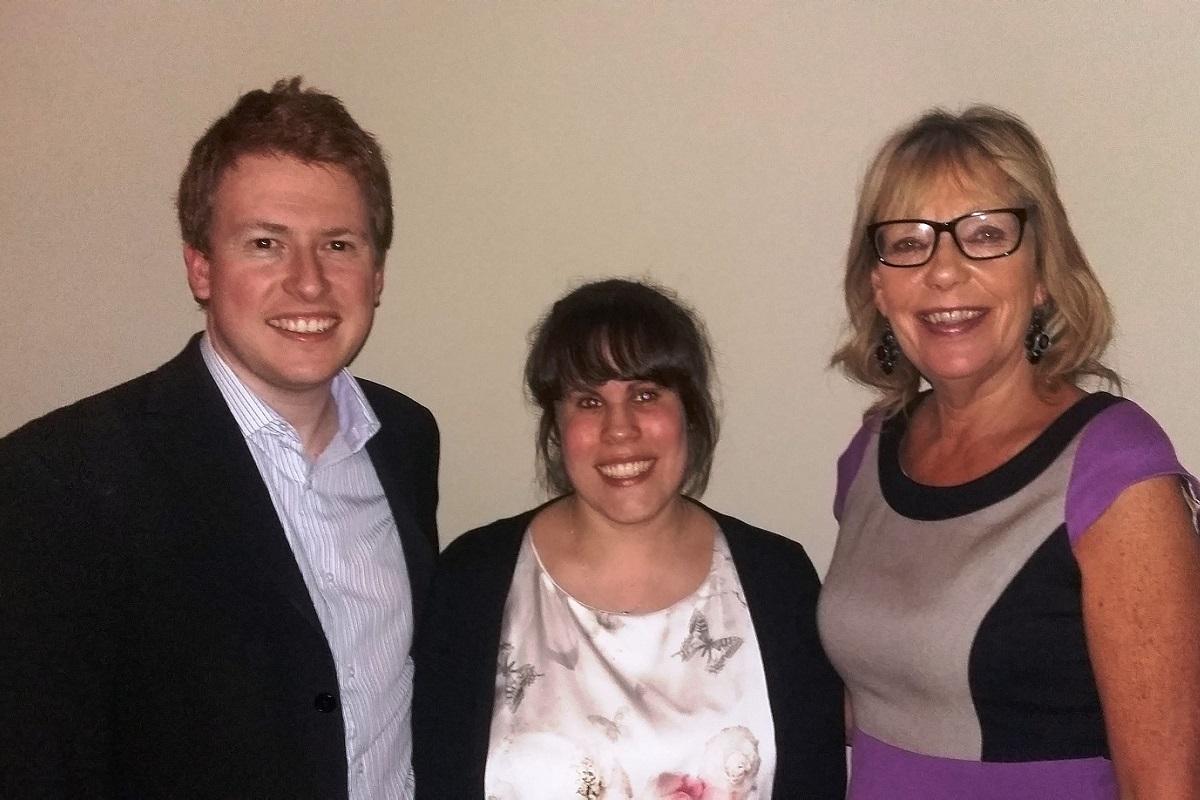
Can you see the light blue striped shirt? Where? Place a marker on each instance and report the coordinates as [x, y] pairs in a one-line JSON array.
[[342, 533]]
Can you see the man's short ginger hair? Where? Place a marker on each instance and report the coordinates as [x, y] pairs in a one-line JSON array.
[[302, 123]]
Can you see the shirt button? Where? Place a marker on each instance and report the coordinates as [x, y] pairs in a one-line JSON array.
[[325, 702]]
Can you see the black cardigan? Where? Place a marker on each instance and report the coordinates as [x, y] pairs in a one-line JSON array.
[[459, 638]]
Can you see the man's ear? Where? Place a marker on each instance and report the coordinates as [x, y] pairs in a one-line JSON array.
[[378, 284], [198, 273]]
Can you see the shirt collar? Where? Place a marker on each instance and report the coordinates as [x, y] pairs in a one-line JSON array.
[[357, 422]]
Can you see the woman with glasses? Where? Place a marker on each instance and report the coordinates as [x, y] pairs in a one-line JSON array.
[[622, 640], [1014, 598]]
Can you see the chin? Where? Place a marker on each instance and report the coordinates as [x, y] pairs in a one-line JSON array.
[[639, 514], [301, 382], [631, 513], [990, 372], [943, 376]]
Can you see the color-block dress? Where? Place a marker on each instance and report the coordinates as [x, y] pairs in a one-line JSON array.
[[954, 614]]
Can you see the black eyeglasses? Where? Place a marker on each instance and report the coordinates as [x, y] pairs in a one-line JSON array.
[[980, 235]]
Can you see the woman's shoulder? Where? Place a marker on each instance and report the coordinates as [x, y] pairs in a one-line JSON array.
[[487, 543], [850, 461], [1120, 445], [1124, 418], [1120, 434], [758, 549], [754, 535]]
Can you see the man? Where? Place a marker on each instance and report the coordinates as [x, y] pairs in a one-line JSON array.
[[209, 575]]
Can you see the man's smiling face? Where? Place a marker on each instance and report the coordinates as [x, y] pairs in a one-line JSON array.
[[290, 281]]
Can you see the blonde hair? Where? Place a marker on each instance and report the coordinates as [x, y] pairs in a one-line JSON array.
[[1076, 313]]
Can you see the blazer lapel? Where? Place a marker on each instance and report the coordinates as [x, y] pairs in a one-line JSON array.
[[217, 482], [418, 553]]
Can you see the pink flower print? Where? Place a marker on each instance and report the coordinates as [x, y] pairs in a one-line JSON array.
[[672, 786]]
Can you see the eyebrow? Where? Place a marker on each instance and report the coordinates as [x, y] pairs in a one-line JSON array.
[[342, 231], [263, 225], [275, 227]]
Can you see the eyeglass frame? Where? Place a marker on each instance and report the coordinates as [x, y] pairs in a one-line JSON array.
[[1022, 215]]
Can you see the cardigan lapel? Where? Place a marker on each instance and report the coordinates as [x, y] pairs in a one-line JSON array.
[[772, 605], [486, 588], [765, 603], [199, 445]]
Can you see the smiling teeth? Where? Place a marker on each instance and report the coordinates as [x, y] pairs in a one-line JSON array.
[[625, 470], [303, 324], [949, 317]]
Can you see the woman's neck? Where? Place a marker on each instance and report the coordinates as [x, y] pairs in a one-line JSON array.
[[954, 438], [593, 534], [637, 568]]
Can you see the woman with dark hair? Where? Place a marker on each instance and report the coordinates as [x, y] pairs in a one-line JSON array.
[[623, 640], [1014, 595]]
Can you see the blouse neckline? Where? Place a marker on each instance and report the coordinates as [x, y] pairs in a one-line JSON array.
[[719, 545]]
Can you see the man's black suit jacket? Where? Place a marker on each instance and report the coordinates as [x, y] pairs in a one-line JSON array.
[[156, 635]]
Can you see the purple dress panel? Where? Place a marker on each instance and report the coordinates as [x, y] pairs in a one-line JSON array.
[[882, 771], [849, 462], [1122, 446]]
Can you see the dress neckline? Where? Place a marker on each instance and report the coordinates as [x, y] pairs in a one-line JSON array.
[[921, 501]]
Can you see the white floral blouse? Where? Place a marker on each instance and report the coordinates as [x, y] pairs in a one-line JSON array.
[[600, 705]]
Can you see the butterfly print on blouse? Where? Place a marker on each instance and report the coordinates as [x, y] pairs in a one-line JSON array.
[[516, 679], [613, 728], [698, 642]]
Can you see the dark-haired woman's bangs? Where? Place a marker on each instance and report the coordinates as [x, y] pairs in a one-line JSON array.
[[635, 348]]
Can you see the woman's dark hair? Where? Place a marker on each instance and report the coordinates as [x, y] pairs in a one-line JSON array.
[[622, 330]]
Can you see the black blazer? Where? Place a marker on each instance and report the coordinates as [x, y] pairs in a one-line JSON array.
[[459, 638], [156, 635]]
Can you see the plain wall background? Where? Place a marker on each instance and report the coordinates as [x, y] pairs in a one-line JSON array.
[[715, 147]]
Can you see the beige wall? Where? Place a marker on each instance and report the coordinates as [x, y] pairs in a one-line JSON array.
[[715, 147]]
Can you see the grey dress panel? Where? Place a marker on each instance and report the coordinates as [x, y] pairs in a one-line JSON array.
[[904, 601]]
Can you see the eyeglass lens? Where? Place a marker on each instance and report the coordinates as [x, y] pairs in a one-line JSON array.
[[978, 236]]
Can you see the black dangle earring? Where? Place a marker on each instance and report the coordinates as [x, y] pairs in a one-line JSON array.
[[1037, 341], [888, 352]]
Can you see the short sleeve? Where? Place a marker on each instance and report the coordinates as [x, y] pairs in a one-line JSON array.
[[850, 461], [1122, 446]]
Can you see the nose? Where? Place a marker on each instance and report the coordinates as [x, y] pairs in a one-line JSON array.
[[620, 423], [947, 267], [306, 275]]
